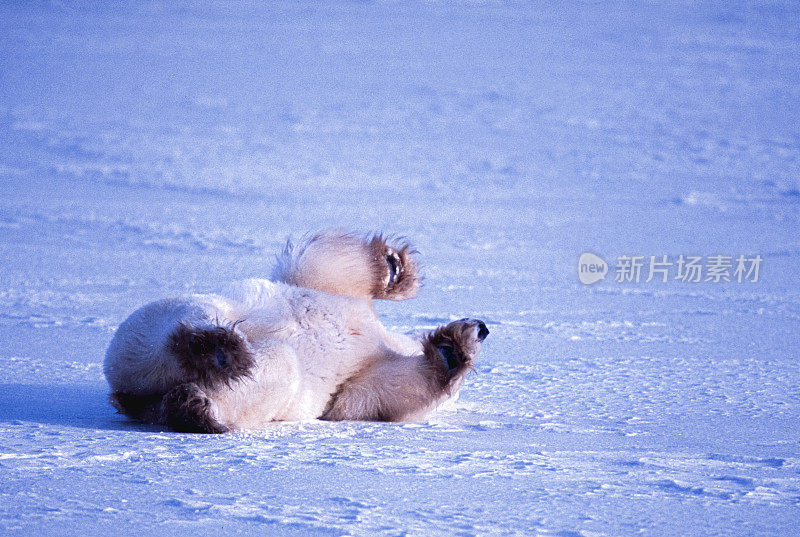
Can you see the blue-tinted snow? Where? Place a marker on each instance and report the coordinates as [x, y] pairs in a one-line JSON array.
[[156, 149]]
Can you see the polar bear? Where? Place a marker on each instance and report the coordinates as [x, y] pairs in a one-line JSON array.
[[306, 344]]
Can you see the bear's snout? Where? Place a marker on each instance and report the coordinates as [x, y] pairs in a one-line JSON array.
[[482, 331]]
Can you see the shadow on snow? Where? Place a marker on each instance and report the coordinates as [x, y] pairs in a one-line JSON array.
[[81, 405]]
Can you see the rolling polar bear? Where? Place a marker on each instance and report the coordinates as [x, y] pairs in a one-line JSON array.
[[305, 345]]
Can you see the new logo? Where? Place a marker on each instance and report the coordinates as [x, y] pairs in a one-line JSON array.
[[591, 268]]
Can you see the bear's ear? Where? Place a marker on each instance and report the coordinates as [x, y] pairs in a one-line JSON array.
[[448, 356]]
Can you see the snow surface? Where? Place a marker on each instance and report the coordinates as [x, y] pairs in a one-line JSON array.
[[163, 148]]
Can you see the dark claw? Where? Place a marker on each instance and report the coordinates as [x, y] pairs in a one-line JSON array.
[[391, 260]]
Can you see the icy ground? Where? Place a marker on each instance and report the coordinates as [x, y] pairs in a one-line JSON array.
[[159, 149]]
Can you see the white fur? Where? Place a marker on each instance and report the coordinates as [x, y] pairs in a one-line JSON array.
[[331, 262], [307, 344], [137, 360]]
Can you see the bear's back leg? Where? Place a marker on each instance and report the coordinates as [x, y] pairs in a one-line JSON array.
[[211, 356], [187, 408], [184, 408], [143, 408]]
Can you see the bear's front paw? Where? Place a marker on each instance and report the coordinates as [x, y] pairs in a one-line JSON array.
[[396, 272]]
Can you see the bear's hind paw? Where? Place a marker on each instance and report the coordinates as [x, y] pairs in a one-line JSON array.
[[211, 356], [186, 408]]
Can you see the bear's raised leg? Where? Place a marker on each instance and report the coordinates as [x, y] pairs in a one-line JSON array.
[[371, 266], [186, 408]]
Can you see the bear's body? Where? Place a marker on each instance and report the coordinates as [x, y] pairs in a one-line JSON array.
[[264, 351]]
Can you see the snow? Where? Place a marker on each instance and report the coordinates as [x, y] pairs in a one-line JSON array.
[[154, 149]]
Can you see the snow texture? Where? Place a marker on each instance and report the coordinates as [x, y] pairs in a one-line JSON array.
[[157, 148]]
